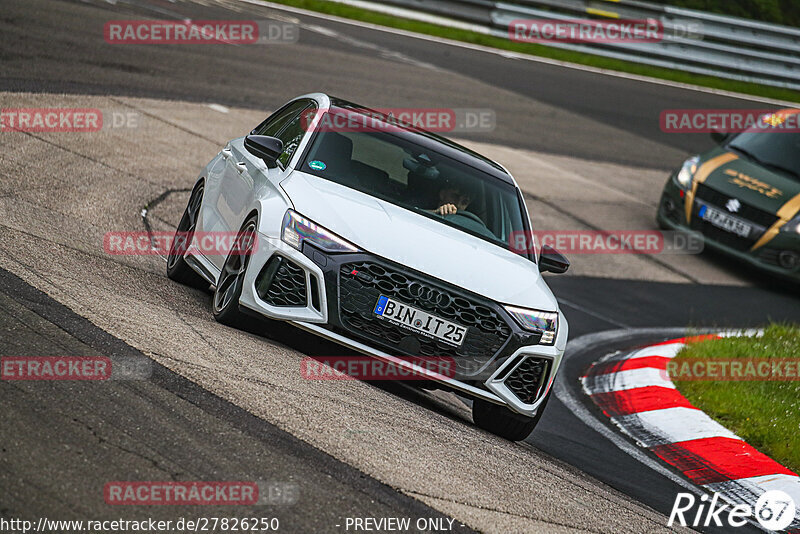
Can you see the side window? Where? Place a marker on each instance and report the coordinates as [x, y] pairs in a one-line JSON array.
[[278, 120], [292, 133]]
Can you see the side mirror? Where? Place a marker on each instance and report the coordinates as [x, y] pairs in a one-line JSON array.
[[264, 147], [719, 137], [551, 260]]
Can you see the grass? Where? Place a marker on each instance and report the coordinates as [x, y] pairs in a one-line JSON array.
[[351, 12], [766, 414]]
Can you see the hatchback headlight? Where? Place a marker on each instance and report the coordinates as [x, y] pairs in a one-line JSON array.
[[792, 226], [686, 174], [537, 321], [297, 229]]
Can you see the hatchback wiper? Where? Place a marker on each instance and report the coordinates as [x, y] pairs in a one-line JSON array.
[[782, 169], [763, 163], [746, 153]]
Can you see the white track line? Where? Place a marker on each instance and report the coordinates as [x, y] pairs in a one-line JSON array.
[[786, 483], [525, 57], [671, 425], [629, 379], [669, 350]]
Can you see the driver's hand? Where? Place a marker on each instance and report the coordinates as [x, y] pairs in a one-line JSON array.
[[446, 209]]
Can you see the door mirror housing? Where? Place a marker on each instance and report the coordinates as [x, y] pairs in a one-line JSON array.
[[264, 147], [720, 137], [552, 261]]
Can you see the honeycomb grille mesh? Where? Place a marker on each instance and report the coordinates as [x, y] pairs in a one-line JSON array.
[[486, 334], [526, 380], [288, 287]]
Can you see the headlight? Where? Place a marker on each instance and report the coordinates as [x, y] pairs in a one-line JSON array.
[[686, 174], [297, 229], [537, 321], [792, 226]]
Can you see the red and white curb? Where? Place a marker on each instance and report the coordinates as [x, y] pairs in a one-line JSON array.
[[634, 391]]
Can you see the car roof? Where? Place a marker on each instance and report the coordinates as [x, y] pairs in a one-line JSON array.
[[431, 141]]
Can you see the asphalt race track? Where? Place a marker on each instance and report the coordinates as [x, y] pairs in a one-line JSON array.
[[220, 404]]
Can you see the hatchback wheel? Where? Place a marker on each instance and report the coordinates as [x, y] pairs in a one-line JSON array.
[[231, 280], [177, 268]]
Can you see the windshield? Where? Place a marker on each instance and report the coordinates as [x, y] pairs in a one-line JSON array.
[[779, 150], [395, 169]]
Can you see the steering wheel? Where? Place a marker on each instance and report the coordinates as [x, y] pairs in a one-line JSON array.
[[468, 215]]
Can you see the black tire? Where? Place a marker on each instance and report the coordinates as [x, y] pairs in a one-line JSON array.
[[660, 222], [231, 279], [177, 268], [502, 422]]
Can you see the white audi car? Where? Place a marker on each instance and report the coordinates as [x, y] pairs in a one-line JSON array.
[[389, 240]]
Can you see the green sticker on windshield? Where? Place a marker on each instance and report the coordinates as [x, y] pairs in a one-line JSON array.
[[317, 165]]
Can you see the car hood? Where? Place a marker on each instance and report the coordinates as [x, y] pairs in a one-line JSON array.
[[413, 240], [751, 183]]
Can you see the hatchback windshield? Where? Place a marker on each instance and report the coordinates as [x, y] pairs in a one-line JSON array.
[[777, 150], [382, 163]]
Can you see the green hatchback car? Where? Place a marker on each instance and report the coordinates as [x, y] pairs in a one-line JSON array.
[[743, 197]]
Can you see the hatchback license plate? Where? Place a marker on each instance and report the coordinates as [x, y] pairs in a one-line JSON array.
[[423, 322], [725, 221]]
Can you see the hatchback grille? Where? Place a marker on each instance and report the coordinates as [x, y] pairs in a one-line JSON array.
[[721, 236], [362, 283], [746, 211]]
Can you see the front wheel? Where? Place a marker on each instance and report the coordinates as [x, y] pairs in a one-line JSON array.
[[177, 268], [231, 280], [502, 422]]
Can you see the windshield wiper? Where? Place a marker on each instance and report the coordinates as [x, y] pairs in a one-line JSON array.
[[763, 163], [744, 152], [782, 169]]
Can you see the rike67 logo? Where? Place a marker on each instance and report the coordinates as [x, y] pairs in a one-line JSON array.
[[775, 510]]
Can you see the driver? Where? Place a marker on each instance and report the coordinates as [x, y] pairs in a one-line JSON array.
[[452, 199]]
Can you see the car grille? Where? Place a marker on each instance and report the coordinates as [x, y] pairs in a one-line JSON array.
[[746, 211], [362, 283], [288, 287], [723, 237], [526, 380]]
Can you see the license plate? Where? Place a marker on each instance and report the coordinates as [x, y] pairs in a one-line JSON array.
[[419, 321], [725, 221]]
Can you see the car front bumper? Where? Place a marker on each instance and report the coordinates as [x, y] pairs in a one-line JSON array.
[[317, 292], [767, 258]]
